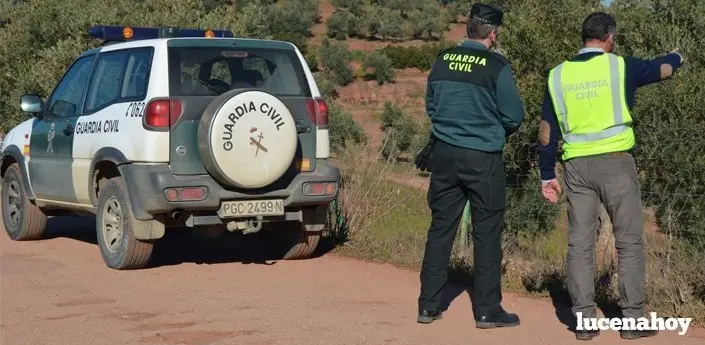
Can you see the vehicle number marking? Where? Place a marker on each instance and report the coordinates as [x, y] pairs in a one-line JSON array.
[[135, 109], [249, 208]]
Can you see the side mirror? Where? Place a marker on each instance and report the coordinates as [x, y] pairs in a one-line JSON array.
[[31, 103]]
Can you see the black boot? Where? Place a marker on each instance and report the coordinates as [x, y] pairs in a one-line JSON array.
[[586, 335], [637, 334], [498, 319], [427, 316]]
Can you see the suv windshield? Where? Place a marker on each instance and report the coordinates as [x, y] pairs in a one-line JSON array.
[[211, 71]]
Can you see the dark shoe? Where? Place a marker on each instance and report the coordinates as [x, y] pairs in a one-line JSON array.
[[426, 316], [637, 334], [586, 335], [499, 319]]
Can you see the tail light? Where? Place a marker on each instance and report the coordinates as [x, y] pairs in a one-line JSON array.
[[185, 193], [318, 111], [162, 113], [318, 188]]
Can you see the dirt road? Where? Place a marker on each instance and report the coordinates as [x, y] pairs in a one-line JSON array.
[[58, 291]]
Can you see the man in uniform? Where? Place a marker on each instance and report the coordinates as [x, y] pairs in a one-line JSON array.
[[588, 101], [474, 105]]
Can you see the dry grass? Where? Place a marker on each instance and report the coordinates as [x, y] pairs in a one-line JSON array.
[[367, 194]]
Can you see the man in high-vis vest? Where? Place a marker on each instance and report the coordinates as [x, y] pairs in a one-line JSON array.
[[588, 102]]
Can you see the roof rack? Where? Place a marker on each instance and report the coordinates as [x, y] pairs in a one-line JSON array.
[[115, 34]]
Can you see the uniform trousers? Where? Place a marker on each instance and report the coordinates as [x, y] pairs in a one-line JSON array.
[[610, 179], [459, 175]]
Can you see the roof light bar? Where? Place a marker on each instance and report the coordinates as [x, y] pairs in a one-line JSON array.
[[127, 33]]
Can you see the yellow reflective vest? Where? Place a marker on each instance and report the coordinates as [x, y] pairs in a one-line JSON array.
[[591, 107]]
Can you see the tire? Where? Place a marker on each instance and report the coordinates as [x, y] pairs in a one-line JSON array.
[[291, 241], [121, 251], [23, 220]]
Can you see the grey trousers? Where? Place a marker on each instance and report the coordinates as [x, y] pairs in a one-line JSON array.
[[609, 179]]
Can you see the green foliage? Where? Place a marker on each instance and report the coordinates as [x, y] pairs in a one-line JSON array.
[[342, 24], [396, 20], [343, 129], [356, 7], [293, 16], [421, 139], [415, 57], [335, 58], [400, 132], [381, 66], [326, 82]]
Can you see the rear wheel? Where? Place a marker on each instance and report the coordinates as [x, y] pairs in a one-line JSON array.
[[291, 241], [114, 223], [23, 220]]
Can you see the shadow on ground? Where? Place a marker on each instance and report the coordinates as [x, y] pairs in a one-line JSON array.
[[460, 280], [181, 245], [554, 284]]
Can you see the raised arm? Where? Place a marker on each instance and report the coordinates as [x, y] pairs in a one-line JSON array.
[[509, 104], [649, 71]]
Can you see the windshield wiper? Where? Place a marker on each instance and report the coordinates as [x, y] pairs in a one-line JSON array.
[[209, 86]]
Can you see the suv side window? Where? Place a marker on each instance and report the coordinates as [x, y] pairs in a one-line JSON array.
[[67, 95], [121, 76]]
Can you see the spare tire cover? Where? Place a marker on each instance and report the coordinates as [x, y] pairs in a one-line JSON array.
[[247, 138]]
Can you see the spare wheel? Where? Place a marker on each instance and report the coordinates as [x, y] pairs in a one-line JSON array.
[[247, 138]]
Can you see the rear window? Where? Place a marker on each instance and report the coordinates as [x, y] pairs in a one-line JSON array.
[[211, 71]]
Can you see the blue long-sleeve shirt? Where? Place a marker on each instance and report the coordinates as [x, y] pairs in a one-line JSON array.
[[639, 72]]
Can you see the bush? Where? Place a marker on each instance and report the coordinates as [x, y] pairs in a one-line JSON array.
[[429, 21], [381, 66], [395, 19], [391, 25], [293, 17], [356, 7], [400, 131], [343, 129], [415, 57], [335, 58], [342, 24], [326, 82]]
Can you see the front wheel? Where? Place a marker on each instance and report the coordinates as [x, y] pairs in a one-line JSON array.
[[119, 247], [23, 220]]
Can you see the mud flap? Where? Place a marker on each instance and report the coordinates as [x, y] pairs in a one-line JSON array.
[[314, 219], [148, 229]]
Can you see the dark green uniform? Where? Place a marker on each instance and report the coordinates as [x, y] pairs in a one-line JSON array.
[[473, 104], [472, 98]]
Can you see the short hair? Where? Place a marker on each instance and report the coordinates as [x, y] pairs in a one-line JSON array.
[[477, 29], [597, 26]]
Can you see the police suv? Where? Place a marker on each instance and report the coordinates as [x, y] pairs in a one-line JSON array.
[[168, 127]]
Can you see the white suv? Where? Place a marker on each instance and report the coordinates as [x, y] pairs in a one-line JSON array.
[[161, 128]]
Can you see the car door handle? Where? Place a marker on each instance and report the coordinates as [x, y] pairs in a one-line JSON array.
[[68, 130]]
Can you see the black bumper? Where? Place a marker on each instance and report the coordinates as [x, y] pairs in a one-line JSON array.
[[146, 184]]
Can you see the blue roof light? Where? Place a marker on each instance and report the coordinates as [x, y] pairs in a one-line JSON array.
[[127, 33]]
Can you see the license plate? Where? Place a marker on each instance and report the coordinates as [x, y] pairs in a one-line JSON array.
[[251, 208]]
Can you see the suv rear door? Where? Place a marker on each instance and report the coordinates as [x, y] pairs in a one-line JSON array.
[[201, 69]]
